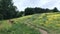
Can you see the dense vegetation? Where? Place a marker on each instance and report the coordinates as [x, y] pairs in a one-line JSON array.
[[36, 10], [7, 9]]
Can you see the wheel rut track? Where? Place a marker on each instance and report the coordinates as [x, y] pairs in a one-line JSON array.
[[36, 27]]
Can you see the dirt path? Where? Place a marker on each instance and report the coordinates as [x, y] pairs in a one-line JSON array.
[[34, 26], [43, 31]]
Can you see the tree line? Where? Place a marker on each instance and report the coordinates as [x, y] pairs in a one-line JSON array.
[[36, 10], [9, 11]]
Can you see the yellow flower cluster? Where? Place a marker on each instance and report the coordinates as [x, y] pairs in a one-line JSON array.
[[52, 17], [58, 25]]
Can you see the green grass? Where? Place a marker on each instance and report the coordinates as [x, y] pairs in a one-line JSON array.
[[16, 28], [47, 21]]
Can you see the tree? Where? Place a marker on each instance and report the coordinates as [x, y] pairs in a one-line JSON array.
[[20, 14], [55, 10], [29, 11], [1, 17], [37, 10], [7, 9], [47, 10]]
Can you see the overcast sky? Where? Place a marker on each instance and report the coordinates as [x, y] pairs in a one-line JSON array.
[[22, 4]]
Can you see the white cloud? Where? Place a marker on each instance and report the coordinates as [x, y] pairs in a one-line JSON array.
[[22, 4], [51, 4]]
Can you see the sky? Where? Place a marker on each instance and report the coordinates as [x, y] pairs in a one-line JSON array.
[[22, 4]]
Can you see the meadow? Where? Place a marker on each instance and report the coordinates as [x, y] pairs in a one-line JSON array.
[[49, 22]]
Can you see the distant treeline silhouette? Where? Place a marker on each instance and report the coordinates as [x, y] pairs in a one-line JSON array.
[[36, 10]]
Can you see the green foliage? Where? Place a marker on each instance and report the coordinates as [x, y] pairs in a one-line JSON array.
[[36, 10], [7, 9], [29, 11], [55, 10], [1, 17], [20, 14]]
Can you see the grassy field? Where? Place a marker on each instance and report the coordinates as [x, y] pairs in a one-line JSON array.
[[17, 27], [46, 21]]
